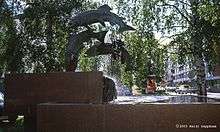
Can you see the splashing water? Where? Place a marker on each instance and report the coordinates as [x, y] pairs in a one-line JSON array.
[[122, 90]]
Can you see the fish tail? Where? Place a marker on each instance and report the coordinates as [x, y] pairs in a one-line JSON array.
[[126, 28], [105, 8], [101, 36]]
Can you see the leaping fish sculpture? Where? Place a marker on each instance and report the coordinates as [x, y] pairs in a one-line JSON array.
[[116, 49], [101, 15], [75, 46]]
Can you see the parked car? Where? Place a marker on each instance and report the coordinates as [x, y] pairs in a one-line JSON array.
[[214, 89], [184, 89], [160, 89], [170, 89]]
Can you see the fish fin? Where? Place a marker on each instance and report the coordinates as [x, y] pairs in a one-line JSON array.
[[122, 18], [101, 36], [89, 28], [125, 28], [105, 8], [93, 51], [124, 56], [112, 23], [102, 23]]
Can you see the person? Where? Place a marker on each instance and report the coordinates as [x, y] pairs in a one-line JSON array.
[[151, 86]]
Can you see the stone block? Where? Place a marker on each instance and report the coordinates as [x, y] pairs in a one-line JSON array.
[[25, 91], [70, 118], [128, 118]]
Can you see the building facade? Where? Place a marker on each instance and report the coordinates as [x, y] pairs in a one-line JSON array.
[[182, 74]]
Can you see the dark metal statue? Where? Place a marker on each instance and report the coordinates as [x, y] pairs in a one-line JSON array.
[[76, 40], [109, 90], [75, 46], [101, 15], [116, 49]]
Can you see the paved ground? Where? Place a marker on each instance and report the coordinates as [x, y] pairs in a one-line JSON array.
[[172, 96], [209, 95], [140, 99]]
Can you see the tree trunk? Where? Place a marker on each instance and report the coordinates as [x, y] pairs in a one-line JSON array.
[[200, 75], [50, 64], [197, 45], [199, 66], [10, 55]]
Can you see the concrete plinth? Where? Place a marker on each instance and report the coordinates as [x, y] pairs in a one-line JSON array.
[[70, 118], [25, 91], [128, 118]]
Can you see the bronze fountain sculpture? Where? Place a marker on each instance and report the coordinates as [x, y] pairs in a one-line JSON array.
[[76, 40], [101, 15], [116, 48]]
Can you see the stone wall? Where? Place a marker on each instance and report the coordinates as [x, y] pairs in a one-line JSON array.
[[128, 118], [25, 91]]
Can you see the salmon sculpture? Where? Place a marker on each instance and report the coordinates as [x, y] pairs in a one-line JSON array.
[[116, 49], [75, 46], [101, 15]]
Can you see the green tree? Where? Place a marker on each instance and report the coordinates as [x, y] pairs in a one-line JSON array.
[[87, 63], [34, 33], [46, 28], [147, 54], [10, 43], [148, 57], [197, 36], [191, 24]]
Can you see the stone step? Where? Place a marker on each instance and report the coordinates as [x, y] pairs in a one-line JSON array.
[[55, 117]]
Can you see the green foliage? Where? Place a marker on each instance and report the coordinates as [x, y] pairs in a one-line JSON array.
[[34, 33], [210, 11], [193, 26], [88, 63], [148, 57], [10, 43], [46, 27], [2, 49], [33, 37]]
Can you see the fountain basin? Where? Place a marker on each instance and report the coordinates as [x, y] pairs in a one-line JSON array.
[[188, 99], [128, 117]]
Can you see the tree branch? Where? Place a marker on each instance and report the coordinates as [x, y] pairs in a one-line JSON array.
[[186, 12], [177, 26], [1, 3], [178, 53], [175, 35], [181, 13], [184, 3]]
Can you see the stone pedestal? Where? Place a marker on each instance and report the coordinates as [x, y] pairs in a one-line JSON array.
[[55, 117], [25, 91]]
